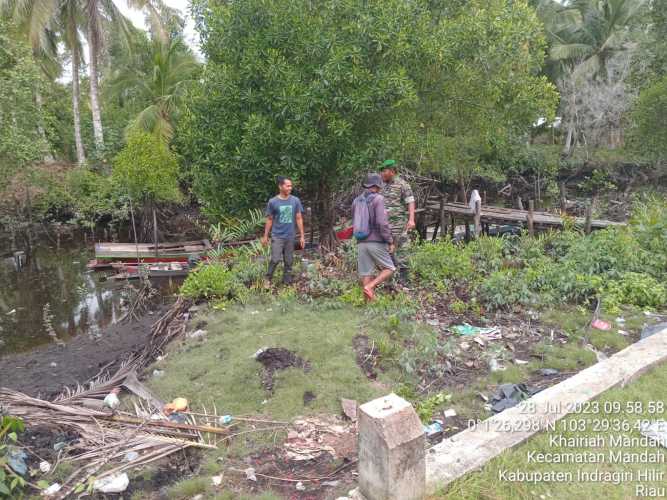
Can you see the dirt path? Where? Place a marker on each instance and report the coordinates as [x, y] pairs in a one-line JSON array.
[[47, 369]]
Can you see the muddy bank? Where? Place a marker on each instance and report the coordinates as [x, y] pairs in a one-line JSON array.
[[45, 370]]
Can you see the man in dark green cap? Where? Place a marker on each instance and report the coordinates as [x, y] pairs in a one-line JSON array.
[[400, 205]]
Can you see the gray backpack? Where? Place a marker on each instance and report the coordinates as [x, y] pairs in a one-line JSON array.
[[361, 219]]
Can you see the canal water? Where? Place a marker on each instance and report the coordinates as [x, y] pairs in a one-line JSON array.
[[53, 297]]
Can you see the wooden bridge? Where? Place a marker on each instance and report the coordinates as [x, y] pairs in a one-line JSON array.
[[445, 216]]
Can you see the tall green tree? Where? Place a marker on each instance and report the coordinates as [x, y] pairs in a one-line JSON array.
[[21, 144], [300, 88], [45, 24], [158, 87]]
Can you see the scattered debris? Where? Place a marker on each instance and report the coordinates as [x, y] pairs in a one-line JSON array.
[[598, 354], [433, 430], [466, 329], [313, 436], [520, 362], [657, 431], [450, 413], [548, 372], [620, 320], [349, 408], [111, 400], [647, 331], [131, 455], [484, 397], [51, 490], [158, 373], [299, 486], [509, 395], [250, 474], [53, 364], [197, 335], [44, 467], [216, 480], [225, 420], [600, 324], [177, 405], [16, 458], [494, 366], [112, 484], [278, 358]]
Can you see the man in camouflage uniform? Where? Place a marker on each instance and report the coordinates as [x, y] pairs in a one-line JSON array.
[[399, 202]]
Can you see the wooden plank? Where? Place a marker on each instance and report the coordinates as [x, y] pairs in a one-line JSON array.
[[471, 449]]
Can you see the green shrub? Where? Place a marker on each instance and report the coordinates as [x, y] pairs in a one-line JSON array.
[[213, 281], [634, 289], [436, 264], [487, 254], [505, 288]]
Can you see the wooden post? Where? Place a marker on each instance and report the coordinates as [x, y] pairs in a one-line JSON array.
[[519, 203], [531, 225], [484, 197], [467, 227], [478, 218], [155, 232], [563, 198], [443, 221], [453, 227], [589, 214], [309, 214]]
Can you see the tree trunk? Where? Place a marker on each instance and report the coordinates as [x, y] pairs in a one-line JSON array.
[[462, 189], [76, 112], [326, 217], [93, 54], [40, 124]]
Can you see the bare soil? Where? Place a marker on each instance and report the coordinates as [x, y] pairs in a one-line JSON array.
[[279, 358], [45, 371]]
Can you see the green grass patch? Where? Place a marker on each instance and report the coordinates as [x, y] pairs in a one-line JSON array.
[[617, 407], [222, 369]]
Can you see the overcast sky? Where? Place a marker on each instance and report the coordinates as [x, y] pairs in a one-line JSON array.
[[137, 17]]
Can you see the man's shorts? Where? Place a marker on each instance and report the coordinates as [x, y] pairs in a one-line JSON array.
[[373, 255]]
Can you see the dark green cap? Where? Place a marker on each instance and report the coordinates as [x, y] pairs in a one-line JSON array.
[[389, 164]]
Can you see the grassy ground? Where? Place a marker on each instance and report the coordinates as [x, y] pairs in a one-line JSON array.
[[488, 483], [222, 369]]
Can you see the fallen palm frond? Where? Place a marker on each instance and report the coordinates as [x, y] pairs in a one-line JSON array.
[[143, 297], [105, 438]]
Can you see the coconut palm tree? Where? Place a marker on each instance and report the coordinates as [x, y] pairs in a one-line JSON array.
[[44, 24], [103, 15], [584, 35], [162, 83]]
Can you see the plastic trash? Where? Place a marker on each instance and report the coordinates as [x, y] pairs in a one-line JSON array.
[[548, 372], [45, 467], [647, 331], [111, 400], [250, 474], [466, 329], [433, 430], [450, 413], [177, 405], [300, 486], [112, 484], [600, 324], [158, 373], [131, 456], [226, 419], [178, 418], [216, 480], [509, 395], [198, 334], [51, 490], [16, 458]]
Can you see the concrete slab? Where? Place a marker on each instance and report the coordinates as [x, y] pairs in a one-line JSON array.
[[472, 448]]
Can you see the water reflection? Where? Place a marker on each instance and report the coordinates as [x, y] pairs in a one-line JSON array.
[[54, 291]]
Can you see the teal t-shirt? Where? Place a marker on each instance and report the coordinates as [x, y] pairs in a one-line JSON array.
[[283, 213]]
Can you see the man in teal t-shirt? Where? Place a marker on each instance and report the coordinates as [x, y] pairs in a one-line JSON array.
[[284, 212]]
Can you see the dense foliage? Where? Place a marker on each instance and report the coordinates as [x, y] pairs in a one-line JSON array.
[[619, 265]]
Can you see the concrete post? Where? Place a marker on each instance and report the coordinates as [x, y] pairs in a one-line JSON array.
[[391, 450]]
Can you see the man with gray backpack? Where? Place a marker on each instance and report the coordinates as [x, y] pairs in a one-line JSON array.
[[373, 234]]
